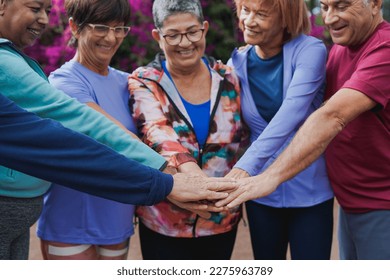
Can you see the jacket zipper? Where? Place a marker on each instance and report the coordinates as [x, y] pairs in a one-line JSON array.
[[200, 154]]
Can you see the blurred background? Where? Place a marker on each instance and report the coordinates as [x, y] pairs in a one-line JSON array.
[[139, 48]]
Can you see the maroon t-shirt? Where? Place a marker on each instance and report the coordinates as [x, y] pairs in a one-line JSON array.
[[358, 159]]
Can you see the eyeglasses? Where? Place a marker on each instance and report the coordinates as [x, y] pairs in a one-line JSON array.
[[175, 39], [102, 30]]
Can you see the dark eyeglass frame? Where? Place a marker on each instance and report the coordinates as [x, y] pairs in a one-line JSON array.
[[165, 36], [107, 28]]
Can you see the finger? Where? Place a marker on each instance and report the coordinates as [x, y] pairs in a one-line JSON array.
[[199, 209], [219, 185], [236, 202], [224, 202], [213, 208], [220, 180], [216, 195], [204, 214], [194, 206]]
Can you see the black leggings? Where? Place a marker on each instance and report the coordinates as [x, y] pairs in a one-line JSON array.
[[17, 216], [155, 246], [308, 230]]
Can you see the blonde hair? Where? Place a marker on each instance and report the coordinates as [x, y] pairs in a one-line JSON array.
[[294, 15]]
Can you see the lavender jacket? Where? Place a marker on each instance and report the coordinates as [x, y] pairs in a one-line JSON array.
[[304, 60]]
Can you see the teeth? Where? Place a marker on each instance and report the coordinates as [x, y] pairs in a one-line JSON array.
[[249, 32], [34, 31], [186, 52], [105, 47]]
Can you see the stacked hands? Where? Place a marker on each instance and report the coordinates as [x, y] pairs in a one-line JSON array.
[[202, 195]]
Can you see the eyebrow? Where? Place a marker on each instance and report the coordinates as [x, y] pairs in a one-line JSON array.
[[175, 30], [40, 3], [337, 2]]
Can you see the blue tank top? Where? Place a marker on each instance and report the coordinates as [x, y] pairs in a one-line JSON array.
[[199, 113], [265, 78]]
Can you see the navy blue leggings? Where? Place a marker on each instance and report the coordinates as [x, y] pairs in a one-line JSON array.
[[155, 246], [308, 230]]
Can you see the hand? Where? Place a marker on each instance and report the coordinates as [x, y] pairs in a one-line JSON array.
[[249, 188], [237, 173], [197, 208], [188, 187]]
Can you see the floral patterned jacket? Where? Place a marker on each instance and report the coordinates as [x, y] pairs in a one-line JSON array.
[[164, 125]]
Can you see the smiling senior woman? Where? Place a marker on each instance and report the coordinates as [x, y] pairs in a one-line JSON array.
[[75, 225], [187, 107], [282, 75]]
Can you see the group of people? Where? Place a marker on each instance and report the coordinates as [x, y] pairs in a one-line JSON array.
[[285, 125]]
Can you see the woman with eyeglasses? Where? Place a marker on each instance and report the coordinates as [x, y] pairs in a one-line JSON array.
[[75, 225], [187, 107]]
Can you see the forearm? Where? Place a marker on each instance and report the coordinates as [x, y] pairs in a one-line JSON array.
[[99, 109], [76, 116], [308, 144], [29, 90], [317, 132]]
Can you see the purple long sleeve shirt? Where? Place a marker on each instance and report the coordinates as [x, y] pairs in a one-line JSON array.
[[303, 85]]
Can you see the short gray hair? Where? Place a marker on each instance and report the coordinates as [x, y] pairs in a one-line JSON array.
[[162, 9]]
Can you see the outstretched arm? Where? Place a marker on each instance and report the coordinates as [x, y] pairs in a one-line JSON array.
[[45, 149], [308, 144]]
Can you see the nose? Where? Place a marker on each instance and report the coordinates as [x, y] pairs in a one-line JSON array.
[[329, 17], [110, 36], [249, 19], [184, 40], [43, 18]]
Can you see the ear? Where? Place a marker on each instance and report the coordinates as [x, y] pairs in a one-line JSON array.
[[73, 27], [3, 4], [376, 6], [157, 37], [206, 27]]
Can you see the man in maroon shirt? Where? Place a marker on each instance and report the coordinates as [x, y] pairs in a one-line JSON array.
[[352, 128]]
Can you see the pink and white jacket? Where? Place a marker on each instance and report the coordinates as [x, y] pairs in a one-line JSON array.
[[164, 125]]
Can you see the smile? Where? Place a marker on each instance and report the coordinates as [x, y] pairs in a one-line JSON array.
[[104, 47], [337, 31], [186, 52], [250, 32], [35, 32]]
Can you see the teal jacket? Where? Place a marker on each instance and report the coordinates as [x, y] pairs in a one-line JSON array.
[[23, 81]]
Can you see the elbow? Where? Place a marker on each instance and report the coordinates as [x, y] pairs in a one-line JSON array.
[[340, 123], [333, 118]]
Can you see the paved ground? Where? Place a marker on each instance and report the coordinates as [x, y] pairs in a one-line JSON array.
[[242, 249]]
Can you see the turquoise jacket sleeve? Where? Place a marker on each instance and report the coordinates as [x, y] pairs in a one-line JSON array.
[[22, 81]]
